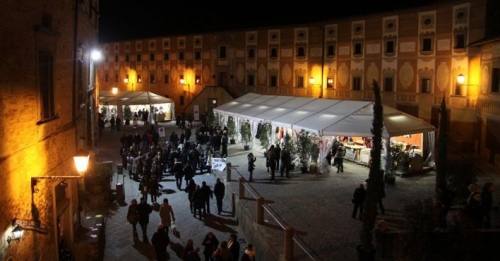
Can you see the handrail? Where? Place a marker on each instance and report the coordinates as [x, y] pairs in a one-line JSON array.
[[275, 216]]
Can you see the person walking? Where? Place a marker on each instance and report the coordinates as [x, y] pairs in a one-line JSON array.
[[234, 246], [210, 243], [339, 157], [133, 216], [166, 214], [219, 191], [250, 251], [189, 247], [223, 253], [190, 189], [160, 241], [286, 161], [198, 202], [271, 157], [358, 199], [194, 255], [143, 210], [207, 195], [251, 165], [277, 151]]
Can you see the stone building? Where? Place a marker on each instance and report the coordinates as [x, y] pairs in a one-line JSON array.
[[416, 56], [44, 99]]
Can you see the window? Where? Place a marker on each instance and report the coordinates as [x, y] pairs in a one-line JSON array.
[[116, 58], [495, 80], [301, 52], [139, 78], [197, 79], [197, 55], [425, 85], [460, 41], [251, 80], [273, 52], [181, 55], [329, 82], [165, 78], [427, 44], [273, 81], [251, 53], [127, 58], [152, 78], [390, 46], [152, 57], [46, 84], [388, 84], [300, 81], [222, 52], [181, 100], [139, 58], [356, 83], [358, 49], [166, 56], [330, 50]]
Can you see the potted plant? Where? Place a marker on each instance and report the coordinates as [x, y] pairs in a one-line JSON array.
[[290, 143], [231, 126], [304, 144], [211, 118], [246, 134], [127, 114], [264, 134]]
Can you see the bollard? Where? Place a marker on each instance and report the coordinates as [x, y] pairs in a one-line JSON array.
[[228, 172], [241, 188], [289, 231], [260, 211], [233, 204], [120, 193]]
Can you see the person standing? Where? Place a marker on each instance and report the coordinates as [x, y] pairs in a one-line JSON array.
[[210, 243], [286, 161], [190, 189], [271, 157], [166, 214], [251, 165], [118, 123], [339, 157], [194, 255], [132, 216], [143, 210], [358, 199], [160, 241], [234, 246], [224, 142], [189, 247], [222, 253], [277, 150], [219, 191], [198, 202], [250, 251], [178, 171], [207, 195]]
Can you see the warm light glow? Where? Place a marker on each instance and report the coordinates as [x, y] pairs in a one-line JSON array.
[[330, 81], [17, 232], [460, 79], [181, 80], [126, 79], [114, 90], [95, 55], [311, 80], [81, 161]]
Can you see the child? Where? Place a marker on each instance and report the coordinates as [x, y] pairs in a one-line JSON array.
[[251, 165]]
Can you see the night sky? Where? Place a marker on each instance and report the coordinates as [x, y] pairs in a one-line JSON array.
[[128, 19]]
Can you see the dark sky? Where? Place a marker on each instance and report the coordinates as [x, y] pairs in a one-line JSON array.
[[133, 19]]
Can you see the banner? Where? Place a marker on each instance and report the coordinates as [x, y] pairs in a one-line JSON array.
[[161, 132], [196, 112]]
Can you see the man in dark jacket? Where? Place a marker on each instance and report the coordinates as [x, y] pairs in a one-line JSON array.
[[207, 195], [143, 211], [219, 190], [160, 241]]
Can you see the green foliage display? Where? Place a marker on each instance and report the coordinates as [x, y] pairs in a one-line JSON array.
[[290, 142], [304, 144], [231, 126], [212, 118], [127, 113], [265, 134], [246, 133]]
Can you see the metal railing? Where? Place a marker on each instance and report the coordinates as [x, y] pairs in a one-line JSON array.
[[289, 232]]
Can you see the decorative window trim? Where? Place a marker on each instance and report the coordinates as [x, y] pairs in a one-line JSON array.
[[387, 41], [358, 48], [333, 45], [274, 51], [301, 51]]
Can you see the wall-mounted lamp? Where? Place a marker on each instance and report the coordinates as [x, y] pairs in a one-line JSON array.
[[311, 80], [329, 82], [460, 79], [126, 79], [460, 83], [139, 79], [17, 232], [197, 79], [114, 90]]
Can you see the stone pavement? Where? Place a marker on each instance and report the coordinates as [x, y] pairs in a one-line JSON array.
[[319, 205]]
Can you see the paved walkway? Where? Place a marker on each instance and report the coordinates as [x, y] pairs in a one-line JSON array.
[[319, 205]]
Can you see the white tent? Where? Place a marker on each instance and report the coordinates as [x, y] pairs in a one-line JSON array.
[[132, 98], [324, 117]]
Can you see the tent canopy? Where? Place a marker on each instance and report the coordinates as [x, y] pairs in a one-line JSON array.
[[324, 117], [132, 98]]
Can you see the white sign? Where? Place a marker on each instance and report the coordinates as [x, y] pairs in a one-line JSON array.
[[161, 132], [196, 112], [219, 164]]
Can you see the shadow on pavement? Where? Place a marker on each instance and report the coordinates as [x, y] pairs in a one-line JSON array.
[[220, 223], [145, 248]]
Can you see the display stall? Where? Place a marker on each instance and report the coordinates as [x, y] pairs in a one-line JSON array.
[[159, 107], [329, 119]]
